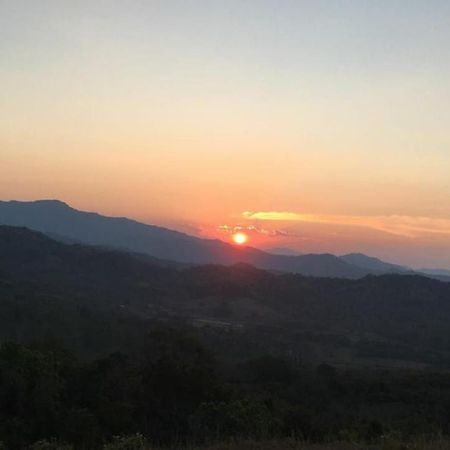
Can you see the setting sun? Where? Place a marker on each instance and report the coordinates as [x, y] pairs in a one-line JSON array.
[[240, 238]]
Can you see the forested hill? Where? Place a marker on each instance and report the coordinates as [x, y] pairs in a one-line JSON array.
[[96, 344], [50, 288]]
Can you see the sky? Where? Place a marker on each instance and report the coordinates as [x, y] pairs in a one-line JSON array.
[[320, 125]]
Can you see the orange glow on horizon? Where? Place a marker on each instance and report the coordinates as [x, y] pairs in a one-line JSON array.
[[240, 238]]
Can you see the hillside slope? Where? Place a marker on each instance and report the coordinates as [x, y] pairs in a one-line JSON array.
[[51, 288]]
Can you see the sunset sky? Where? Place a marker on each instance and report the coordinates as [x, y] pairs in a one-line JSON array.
[[320, 125]]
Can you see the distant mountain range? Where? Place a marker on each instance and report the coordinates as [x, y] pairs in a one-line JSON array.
[[436, 272], [374, 265], [283, 251], [60, 221]]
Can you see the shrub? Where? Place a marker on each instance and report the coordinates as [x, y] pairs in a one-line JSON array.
[[134, 442]]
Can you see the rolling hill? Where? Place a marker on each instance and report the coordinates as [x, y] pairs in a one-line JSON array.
[[85, 294]]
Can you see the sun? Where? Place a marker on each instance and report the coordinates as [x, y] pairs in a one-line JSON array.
[[240, 238]]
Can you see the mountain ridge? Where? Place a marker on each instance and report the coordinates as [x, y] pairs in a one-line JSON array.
[[374, 264], [57, 218]]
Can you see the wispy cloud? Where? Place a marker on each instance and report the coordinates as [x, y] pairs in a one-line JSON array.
[[408, 226], [250, 229]]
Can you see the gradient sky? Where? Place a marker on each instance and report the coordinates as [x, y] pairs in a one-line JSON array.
[[316, 125]]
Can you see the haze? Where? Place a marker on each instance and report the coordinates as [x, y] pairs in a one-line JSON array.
[[321, 126]]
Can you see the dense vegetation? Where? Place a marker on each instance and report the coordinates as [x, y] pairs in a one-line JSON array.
[[177, 392], [98, 343]]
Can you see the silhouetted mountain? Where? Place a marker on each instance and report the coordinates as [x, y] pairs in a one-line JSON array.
[[56, 218], [30, 253], [283, 251], [60, 221], [374, 265], [437, 272], [99, 299]]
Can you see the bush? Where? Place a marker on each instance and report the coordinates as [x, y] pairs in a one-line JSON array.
[[134, 442], [236, 418]]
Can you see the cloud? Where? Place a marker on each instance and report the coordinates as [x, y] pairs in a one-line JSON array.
[[250, 229], [274, 215], [407, 226]]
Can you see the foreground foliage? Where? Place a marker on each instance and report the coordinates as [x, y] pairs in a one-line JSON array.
[[177, 393]]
